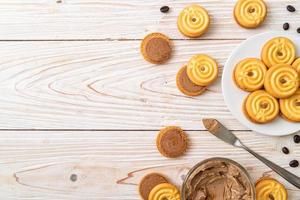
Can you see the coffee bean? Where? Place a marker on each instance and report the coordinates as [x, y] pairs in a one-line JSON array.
[[164, 9], [294, 163], [285, 150], [73, 177], [291, 8], [286, 26], [298, 30], [296, 139]]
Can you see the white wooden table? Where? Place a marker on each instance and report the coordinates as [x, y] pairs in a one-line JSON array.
[[80, 108]]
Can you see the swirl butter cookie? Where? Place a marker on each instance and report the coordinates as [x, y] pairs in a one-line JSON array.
[[171, 142], [268, 188], [296, 65], [290, 107], [186, 86], [164, 191], [149, 182], [279, 50], [202, 70], [260, 107], [281, 81], [250, 13], [156, 48], [249, 74], [193, 21]]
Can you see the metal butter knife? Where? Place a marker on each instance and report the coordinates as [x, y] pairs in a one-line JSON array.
[[221, 132]]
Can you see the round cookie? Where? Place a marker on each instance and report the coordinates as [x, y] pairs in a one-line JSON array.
[[164, 191], [290, 107], [186, 86], [250, 13], [249, 74], [279, 50], [268, 188], [260, 107], [296, 65], [281, 81], [171, 142], [193, 21], [156, 48], [202, 70], [149, 182]]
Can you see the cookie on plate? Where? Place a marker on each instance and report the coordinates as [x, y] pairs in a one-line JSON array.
[[296, 65], [281, 81], [171, 142], [193, 21], [202, 70], [269, 188], [249, 74], [279, 50], [290, 107], [250, 13], [156, 48], [261, 107], [164, 191], [149, 182], [186, 86]]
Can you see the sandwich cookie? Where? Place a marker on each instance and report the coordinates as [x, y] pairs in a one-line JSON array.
[[281, 81], [279, 50], [156, 48], [193, 21], [202, 70], [149, 182], [250, 13], [260, 107], [249, 74], [186, 86], [171, 142]]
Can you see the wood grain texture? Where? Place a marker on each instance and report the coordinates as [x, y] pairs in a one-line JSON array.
[[103, 85], [118, 19], [99, 81], [109, 165]]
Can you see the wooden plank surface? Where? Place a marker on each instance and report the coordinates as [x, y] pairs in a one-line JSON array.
[[118, 19], [103, 85], [75, 64], [109, 165]]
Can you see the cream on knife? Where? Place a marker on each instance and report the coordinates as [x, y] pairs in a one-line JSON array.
[[221, 132]]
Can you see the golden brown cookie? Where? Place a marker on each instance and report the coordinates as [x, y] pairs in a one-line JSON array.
[[260, 107], [171, 141], [156, 48], [202, 70], [279, 50], [164, 191], [296, 65], [250, 13], [281, 81], [186, 86], [149, 182], [193, 21], [269, 188], [290, 107], [249, 74]]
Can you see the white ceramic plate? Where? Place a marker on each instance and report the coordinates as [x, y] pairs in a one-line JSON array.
[[234, 96]]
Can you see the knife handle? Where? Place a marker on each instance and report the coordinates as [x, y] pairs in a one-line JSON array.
[[292, 178]]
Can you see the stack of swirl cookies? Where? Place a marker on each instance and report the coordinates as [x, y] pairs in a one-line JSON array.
[[273, 82], [200, 72]]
